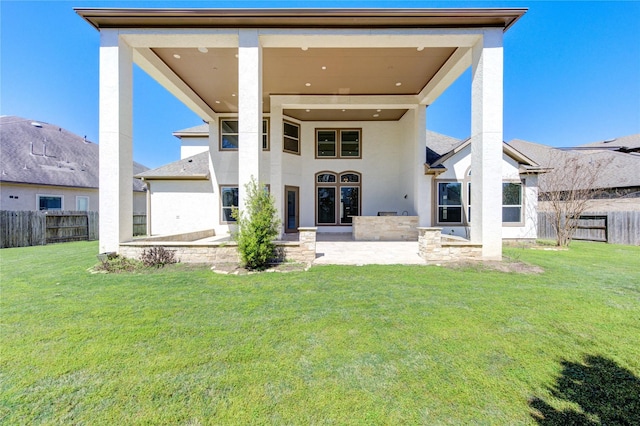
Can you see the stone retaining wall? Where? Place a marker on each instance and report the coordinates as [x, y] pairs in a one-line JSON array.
[[434, 247], [303, 251], [385, 228]]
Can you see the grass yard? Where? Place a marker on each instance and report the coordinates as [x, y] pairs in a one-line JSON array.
[[335, 345]]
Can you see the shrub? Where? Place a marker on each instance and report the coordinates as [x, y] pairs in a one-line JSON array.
[[117, 263], [257, 227], [157, 257]]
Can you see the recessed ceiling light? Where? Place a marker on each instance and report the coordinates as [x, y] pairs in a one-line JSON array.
[[308, 84], [376, 115], [324, 67], [307, 110], [398, 84], [175, 55], [203, 49], [378, 110], [343, 110], [236, 55], [217, 102], [420, 49], [305, 48], [233, 94]]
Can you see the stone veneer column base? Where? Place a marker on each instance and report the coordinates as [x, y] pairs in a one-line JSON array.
[[433, 247]]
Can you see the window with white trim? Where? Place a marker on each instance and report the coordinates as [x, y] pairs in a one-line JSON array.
[[228, 202], [82, 203], [511, 202], [49, 202]]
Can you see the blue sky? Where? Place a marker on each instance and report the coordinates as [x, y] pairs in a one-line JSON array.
[[572, 72]]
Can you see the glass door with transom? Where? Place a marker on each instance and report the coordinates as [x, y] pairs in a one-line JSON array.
[[331, 210]]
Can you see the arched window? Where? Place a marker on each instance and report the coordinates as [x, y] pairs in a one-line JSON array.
[[337, 197]]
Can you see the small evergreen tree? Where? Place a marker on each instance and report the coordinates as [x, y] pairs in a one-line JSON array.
[[257, 227]]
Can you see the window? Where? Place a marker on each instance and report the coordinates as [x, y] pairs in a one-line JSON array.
[[511, 202], [450, 206], [229, 134], [449, 202], [331, 210], [228, 200], [338, 143], [291, 138], [82, 203], [49, 202]]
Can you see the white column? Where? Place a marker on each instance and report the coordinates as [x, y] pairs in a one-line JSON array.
[[115, 137], [486, 144], [249, 110], [277, 184], [421, 190]]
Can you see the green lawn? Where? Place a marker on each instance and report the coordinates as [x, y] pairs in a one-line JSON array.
[[334, 345]]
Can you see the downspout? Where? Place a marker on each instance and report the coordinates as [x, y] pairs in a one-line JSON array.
[[148, 206]]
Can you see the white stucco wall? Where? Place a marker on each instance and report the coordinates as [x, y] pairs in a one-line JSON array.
[[385, 166], [457, 169], [179, 206], [193, 145]]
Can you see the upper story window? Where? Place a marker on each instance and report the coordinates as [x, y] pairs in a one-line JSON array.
[[291, 138], [229, 134], [338, 143]]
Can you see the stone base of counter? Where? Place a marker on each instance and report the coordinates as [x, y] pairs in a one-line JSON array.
[[385, 228]]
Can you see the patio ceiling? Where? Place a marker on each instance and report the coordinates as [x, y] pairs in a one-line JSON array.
[[213, 75], [207, 74]]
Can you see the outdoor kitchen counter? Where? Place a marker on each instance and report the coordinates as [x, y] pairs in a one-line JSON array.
[[385, 228]]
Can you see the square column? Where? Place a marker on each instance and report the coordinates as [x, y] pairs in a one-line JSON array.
[[116, 141], [486, 144], [249, 110], [422, 192], [277, 185]]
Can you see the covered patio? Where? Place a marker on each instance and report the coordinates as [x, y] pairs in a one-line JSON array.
[[376, 70]]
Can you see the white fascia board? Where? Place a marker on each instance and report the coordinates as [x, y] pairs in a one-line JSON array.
[[180, 38], [159, 71], [345, 101], [352, 38], [457, 64]]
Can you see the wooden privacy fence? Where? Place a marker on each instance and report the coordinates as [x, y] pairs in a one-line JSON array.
[[610, 227], [34, 228]]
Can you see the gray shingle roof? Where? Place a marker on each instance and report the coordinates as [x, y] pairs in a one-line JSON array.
[[199, 130], [35, 152], [194, 167], [624, 143], [620, 170]]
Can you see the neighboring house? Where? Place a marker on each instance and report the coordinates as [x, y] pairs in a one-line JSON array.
[[45, 167], [627, 144], [183, 199], [618, 178], [328, 107]]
